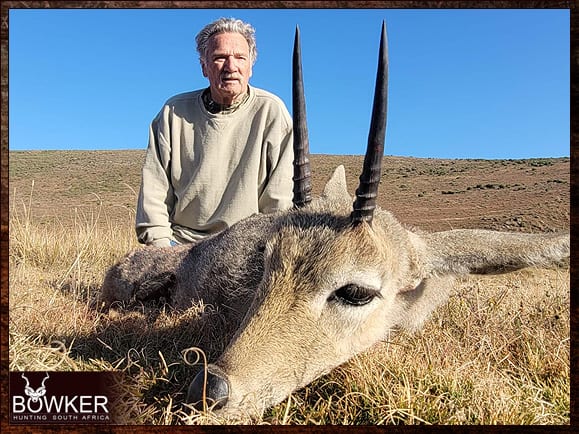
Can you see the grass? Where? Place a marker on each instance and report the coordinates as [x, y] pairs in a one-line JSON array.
[[497, 353]]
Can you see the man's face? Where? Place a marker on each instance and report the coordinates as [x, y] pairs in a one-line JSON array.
[[227, 65]]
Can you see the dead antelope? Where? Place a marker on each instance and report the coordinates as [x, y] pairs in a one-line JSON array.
[[304, 290]]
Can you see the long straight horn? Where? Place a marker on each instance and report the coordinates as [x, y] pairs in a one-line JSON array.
[[302, 175], [367, 191]]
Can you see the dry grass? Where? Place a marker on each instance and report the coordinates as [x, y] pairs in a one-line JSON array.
[[497, 353]]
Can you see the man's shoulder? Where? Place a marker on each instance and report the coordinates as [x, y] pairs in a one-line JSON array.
[[266, 96], [274, 104]]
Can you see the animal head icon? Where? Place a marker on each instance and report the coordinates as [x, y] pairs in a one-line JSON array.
[[35, 394]]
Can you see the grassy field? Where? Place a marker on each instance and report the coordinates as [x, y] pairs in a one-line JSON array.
[[497, 353]]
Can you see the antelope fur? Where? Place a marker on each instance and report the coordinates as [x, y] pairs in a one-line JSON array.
[[271, 276]]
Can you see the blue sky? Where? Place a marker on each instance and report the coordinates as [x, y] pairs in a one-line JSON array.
[[464, 83]]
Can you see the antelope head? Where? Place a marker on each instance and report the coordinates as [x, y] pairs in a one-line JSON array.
[[33, 394], [322, 278]]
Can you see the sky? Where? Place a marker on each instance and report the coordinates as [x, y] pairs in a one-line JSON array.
[[463, 83]]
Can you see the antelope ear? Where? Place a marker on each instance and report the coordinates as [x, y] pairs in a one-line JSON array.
[[336, 188], [464, 251]]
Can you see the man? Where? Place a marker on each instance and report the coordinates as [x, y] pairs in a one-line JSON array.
[[216, 155]]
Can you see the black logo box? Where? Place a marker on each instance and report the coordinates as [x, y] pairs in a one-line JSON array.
[[80, 397]]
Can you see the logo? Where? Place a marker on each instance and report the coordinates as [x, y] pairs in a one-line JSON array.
[[35, 395], [60, 398]]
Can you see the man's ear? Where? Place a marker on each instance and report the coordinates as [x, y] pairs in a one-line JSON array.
[[203, 68]]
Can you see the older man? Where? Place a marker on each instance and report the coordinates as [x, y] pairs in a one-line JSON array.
[[216, 155]]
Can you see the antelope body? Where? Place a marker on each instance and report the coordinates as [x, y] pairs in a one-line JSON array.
[[302, 291]]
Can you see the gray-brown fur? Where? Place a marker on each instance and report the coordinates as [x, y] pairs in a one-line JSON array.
[[273, 279]]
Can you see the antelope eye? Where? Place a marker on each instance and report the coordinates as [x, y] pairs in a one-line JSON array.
[[354, 295]]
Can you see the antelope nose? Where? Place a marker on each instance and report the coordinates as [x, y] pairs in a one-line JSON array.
[[216, 388]]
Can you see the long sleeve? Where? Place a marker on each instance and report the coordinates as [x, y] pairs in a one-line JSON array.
[[156, 198], [277, 192]]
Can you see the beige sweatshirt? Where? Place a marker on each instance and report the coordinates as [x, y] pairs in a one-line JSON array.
[[204, 172]]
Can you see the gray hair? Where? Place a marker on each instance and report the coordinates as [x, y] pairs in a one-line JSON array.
[[226, 25]]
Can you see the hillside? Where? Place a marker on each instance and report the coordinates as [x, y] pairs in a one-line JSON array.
[[434, 194]]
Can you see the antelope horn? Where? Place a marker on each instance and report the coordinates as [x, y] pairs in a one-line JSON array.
[[45, 378], [26, 379], [367, 191], [302, 183]]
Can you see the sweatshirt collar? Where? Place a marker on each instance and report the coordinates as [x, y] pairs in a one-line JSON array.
[[214, 107]]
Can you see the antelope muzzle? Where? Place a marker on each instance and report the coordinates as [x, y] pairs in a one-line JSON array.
[[209, 389]]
